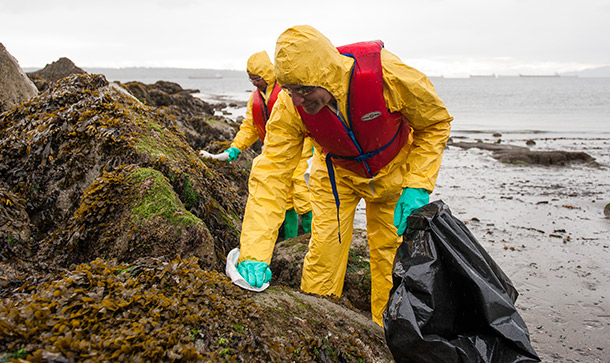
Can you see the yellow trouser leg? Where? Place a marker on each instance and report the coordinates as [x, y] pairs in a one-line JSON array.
[[383, 242], [325, 263]]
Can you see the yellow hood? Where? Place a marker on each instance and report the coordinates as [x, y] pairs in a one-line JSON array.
[[303, 56], [260, 64]]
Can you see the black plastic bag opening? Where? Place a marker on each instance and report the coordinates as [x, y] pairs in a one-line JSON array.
[[450, 302]]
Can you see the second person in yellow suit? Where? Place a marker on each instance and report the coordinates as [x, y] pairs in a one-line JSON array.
[[260, 104], [319, 85]]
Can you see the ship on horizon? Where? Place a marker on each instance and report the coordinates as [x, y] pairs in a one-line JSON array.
[[540, 75], [216, 76]]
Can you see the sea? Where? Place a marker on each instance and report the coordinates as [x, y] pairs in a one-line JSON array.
[[514, 106]]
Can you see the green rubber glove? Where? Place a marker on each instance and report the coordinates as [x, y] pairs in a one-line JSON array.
[[410, 200], [233, 153], [255, 273], [306, 222], [291, 224]]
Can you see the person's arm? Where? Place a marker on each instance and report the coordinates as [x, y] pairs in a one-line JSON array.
[[270, 180], [247, 134], [300, 196], [409, 91]]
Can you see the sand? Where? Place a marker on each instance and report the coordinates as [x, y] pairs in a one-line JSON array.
[[545, 227]]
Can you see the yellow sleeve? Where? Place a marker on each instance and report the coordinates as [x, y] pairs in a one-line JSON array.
[[409, 91], [300, 197], [270, 180], [247, 134]]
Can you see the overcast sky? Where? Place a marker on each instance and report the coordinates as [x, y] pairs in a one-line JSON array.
[[439, 37]]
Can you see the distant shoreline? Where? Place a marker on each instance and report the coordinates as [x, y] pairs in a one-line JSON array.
[[599, 72]]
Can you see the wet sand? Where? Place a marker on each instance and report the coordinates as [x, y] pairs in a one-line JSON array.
[[545, 227]]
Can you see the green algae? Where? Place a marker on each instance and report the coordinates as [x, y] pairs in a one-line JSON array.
[[190, 197], [164, 144], [159, 198]]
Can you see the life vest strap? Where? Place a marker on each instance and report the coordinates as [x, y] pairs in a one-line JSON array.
[[359, 158], [333, 184], [365, 156]]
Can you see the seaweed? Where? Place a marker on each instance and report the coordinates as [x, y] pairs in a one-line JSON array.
[[113, 233]]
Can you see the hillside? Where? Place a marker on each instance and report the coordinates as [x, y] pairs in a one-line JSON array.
[[591, 72]]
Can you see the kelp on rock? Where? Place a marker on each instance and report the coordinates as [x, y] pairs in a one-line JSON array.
[[113, 236], [69, 158]]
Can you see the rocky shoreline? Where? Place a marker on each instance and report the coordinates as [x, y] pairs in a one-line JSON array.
[[105, 204], [114, 234]]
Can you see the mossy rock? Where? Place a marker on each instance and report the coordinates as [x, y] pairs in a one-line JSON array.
[[287, 267], [82, 135], [126, 214], [106, 191]]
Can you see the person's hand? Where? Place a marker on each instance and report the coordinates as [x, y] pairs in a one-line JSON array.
[[233, 153], [255, 273], [410, 200]]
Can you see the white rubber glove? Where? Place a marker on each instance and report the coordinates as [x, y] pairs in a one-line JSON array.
[[223, 156]]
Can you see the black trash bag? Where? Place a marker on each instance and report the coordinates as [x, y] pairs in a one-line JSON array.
[[450, 301]]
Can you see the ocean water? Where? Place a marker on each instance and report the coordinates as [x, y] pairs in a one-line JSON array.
[[568, 106], [513, 106]]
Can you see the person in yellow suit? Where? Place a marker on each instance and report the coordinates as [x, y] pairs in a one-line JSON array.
[[379, 131], [260, 104]]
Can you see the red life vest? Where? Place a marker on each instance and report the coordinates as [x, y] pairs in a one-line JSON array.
[[262, 110], [371, 136]]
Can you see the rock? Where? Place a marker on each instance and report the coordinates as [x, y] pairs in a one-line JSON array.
[[487, 146], [523, 155], [168, 87], [530, 142], [543, 157], [116, 229], [163, 93], [220, 106], [100, 174], [63, 67], [172, 310], [55, 71], [194, 117], [15, 231], [15, 86], [287, 264]]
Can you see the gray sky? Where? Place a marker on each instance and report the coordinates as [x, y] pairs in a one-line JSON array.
[[439, 37]]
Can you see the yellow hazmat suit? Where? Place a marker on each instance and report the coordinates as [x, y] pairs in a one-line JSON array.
[[305, 57], [298, 197]]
